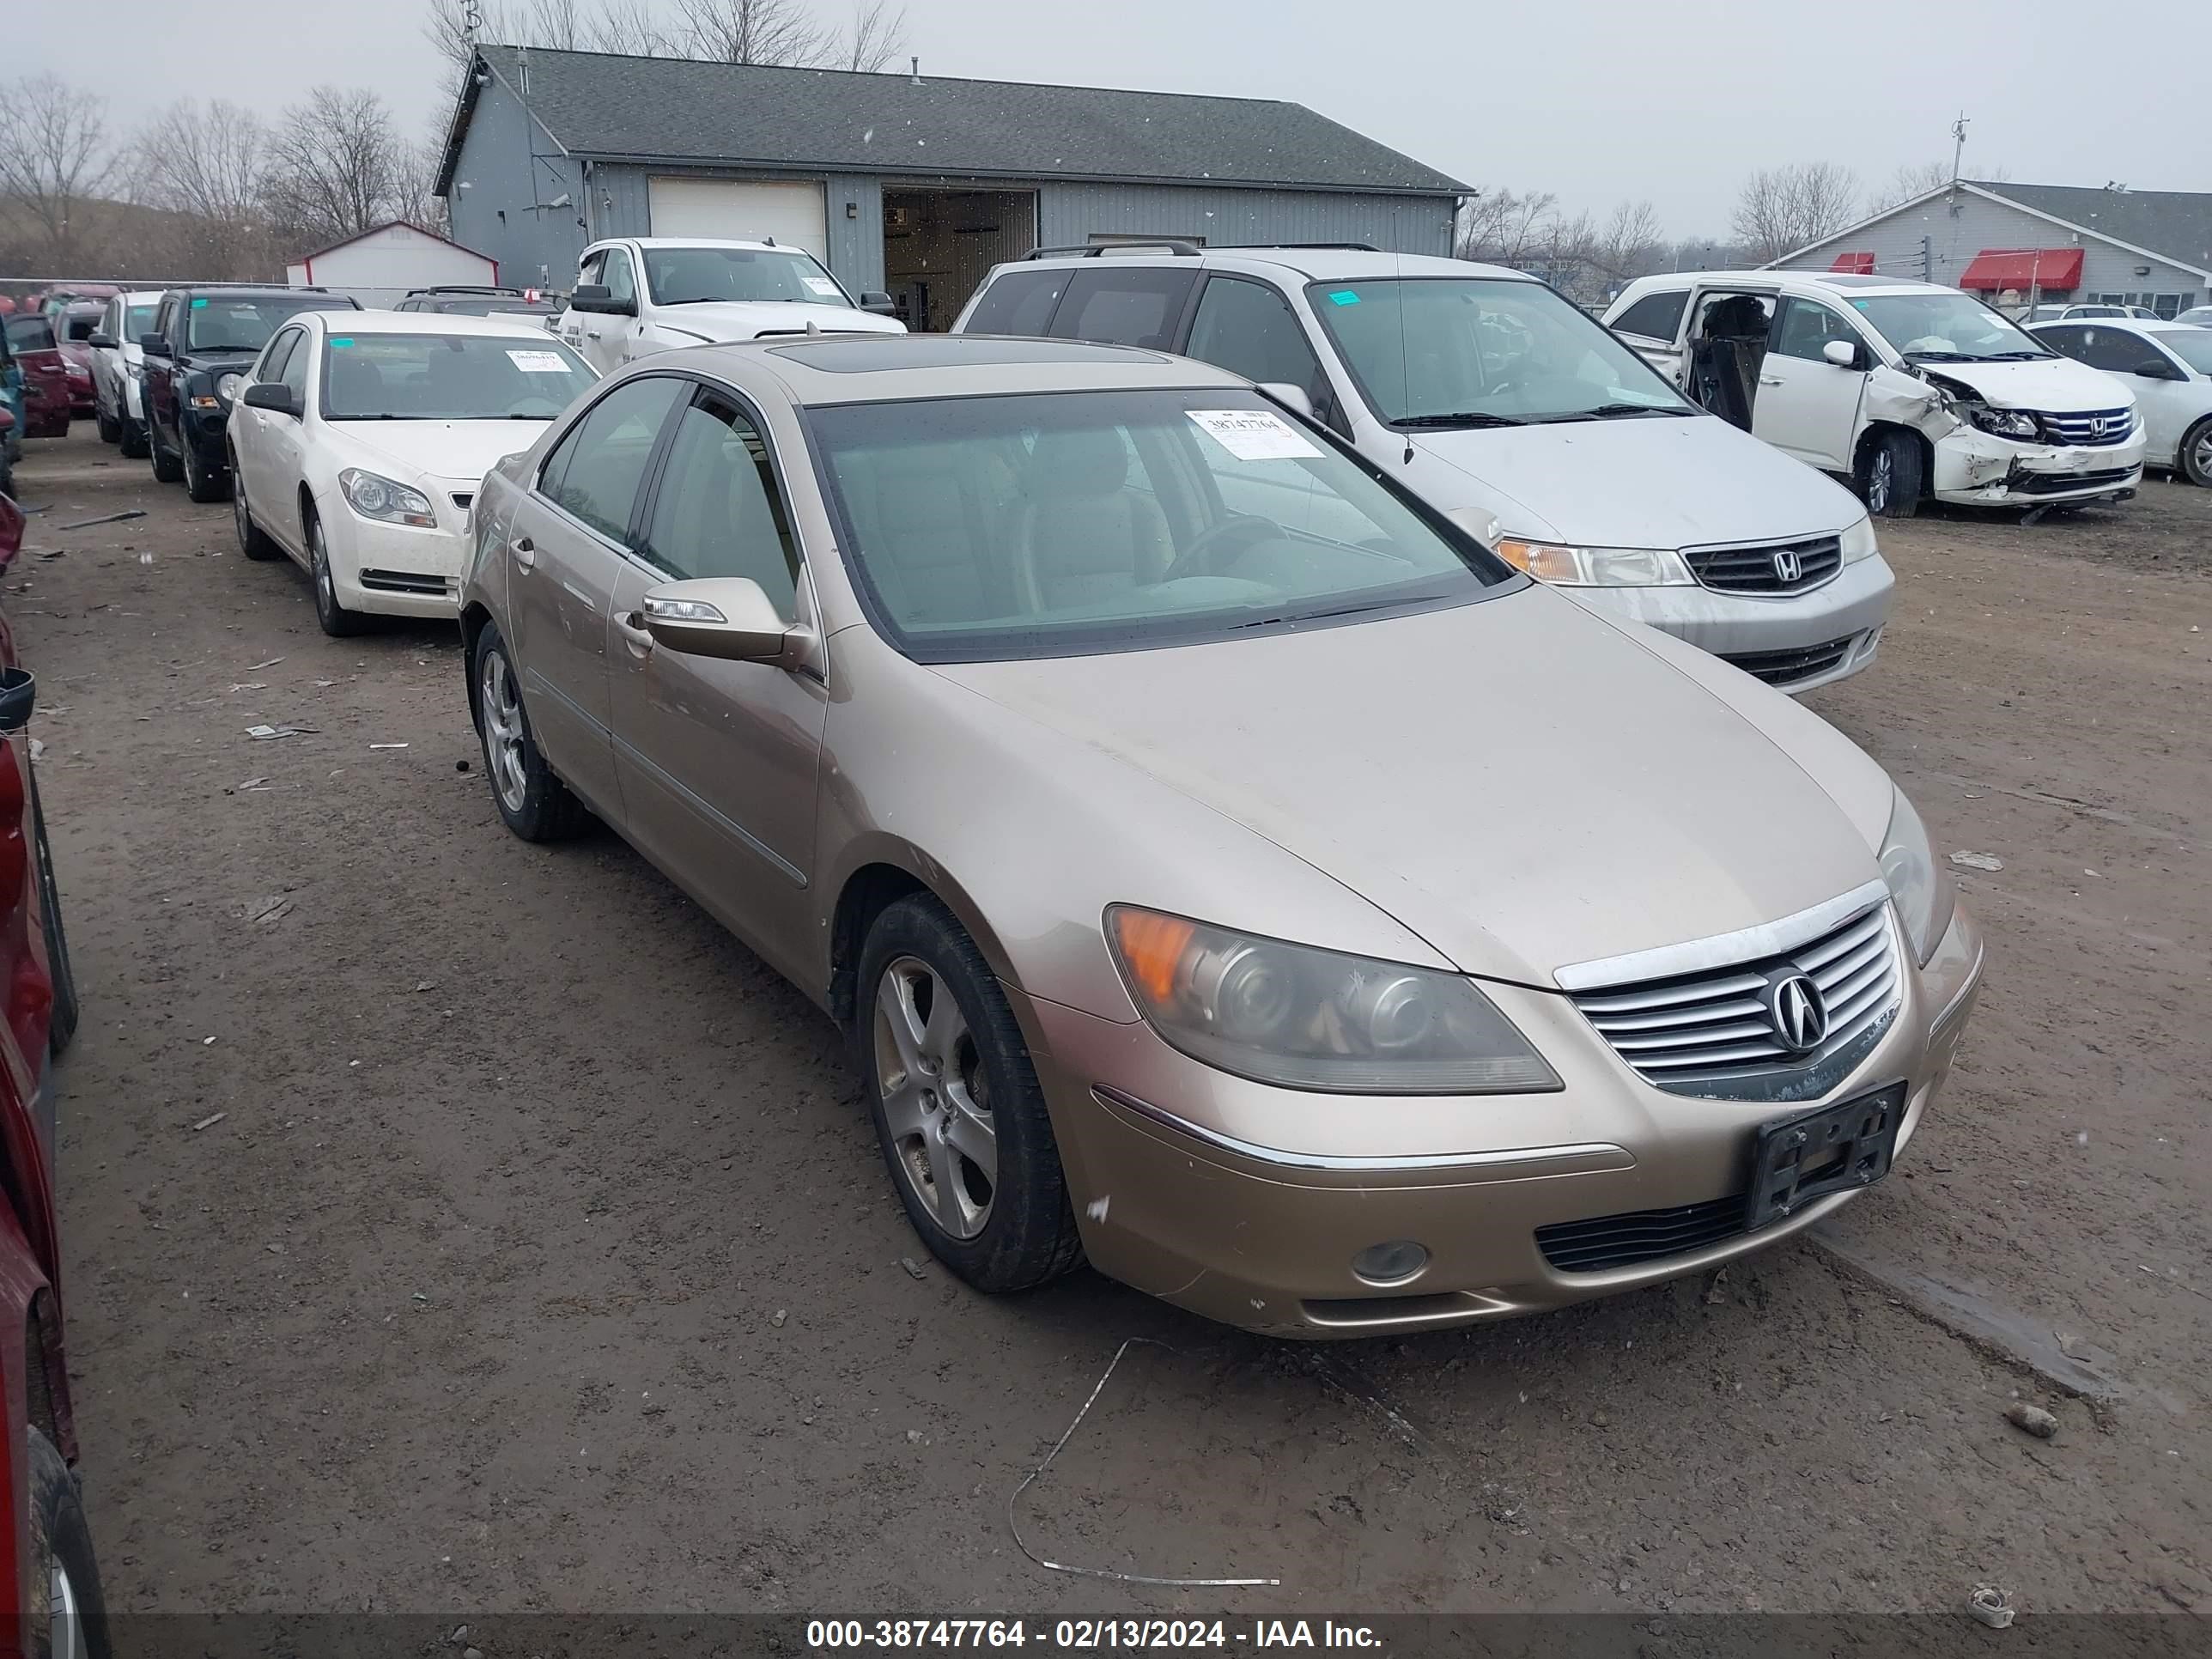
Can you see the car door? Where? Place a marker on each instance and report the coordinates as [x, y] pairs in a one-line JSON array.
[[1807, 406], [284, 445], [159, 388], [717, 761], [249, 426], [2166, 399], [567, 544], [608, 339], [570, 325], [107, 360]]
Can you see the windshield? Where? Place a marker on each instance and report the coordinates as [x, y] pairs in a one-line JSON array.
[[2194, 348], [690, 275], [1946, 328], [223, 324], [446, 377], [1429, 350], [1076, 522]]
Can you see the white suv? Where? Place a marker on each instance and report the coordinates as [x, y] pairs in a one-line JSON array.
[[637, 296], [1503, 405], [1910, 389]]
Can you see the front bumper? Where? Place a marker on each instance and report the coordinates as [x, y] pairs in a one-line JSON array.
[[1247, 1204], [395, 569], [208, 432], [1794, 641], [1975, 469]]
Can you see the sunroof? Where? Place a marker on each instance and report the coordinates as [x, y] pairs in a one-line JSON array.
[[879, 352]]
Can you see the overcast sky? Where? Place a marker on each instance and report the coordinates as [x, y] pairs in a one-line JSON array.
[[1599, 100]]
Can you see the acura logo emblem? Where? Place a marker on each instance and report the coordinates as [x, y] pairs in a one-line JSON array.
[[1787, 567], [1799, 1016]]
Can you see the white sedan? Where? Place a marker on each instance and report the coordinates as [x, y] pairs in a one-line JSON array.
[[360, 438], [2168, 366]]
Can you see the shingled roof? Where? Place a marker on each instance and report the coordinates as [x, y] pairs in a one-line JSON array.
[[674, 110], [2177, 224]]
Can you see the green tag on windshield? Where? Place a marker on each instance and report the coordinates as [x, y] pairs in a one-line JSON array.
[[346, 342], [1343, 297], [197, 304]]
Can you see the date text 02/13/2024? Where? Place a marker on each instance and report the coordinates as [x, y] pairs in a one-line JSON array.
[[1084, 1634]]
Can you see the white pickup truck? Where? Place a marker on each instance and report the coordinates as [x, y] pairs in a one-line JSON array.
[[635, 295]]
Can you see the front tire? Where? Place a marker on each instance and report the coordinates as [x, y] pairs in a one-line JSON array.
[[200, 484], [959, 1115], [167, 469], [252, 541], [532, 802], [337, 621], [2193, 460], [68, 1616], [1892, 475], [111, 426], [132, 440]]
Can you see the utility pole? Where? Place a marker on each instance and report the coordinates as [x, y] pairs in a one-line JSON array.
[[1959, 145]]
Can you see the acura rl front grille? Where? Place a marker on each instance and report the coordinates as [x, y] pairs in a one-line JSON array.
[[1786, 1026]]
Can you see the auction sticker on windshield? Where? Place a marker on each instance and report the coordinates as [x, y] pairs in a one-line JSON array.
[[1252, 434], [821, 285], [539, 362]]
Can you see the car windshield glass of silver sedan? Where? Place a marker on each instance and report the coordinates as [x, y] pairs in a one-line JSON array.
[[1947, 328], [1460, 351], [218, 322], [448, 377], [700, 275], [1068, 523], [2193, 348]]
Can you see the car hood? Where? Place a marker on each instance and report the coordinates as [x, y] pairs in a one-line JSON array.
[[2058, 384], [1664, 481], [748, 320], [452, 452], [1523, 785]]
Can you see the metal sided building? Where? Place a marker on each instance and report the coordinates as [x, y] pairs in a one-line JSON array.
[[2147, 247], [906, 183]]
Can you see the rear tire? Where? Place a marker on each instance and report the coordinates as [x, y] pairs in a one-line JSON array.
[[2193, 460], [61, 1022], [337, 621], [951, 1090], [1892, 474], [167, 469], [532, 802], [252, 541], [67, 1615]]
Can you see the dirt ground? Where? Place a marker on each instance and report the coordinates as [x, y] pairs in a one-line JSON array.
[[487, 1231]]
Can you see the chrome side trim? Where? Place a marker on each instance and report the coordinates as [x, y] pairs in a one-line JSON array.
[[1722, 950], [1110, 1097]]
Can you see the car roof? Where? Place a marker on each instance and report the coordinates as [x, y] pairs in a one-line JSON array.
[[1318, 263], [1858, 283], [430, 322], [693, 241], [861, 368]]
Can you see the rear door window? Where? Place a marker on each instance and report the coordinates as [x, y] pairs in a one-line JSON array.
[[1653, 317], [1248, 328], [1124, 305], [1019, 302]]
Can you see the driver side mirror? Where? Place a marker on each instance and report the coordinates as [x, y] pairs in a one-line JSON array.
[[273, 395], [1295, 399], [727, 617], [154, 346], [19, 695], [100, 342], [1845, 354], [880, 303], [596, 296], [2157, 369]]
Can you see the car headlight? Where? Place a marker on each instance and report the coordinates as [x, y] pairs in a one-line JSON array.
[[1309, 1018], [1857, 542], [136, 371], [228, 387], [1922, 889], [2003, 423], [374, 497], [1596, 567]]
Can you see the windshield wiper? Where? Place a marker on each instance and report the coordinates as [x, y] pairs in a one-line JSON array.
[[1473, 417], [2017, 356], [1943, 358], [1608, 412]]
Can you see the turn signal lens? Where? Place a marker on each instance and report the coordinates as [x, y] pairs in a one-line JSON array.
[[1596, 567], [1149, 946]]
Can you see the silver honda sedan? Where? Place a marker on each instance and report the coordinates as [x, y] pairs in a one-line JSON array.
[[1307, 918]]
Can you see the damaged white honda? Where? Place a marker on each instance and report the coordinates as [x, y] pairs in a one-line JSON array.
[[1911, 390]]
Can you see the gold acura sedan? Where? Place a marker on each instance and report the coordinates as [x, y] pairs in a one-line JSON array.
[[1228, 870]]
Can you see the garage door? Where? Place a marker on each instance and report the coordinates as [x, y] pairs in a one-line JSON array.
[[743, 210]]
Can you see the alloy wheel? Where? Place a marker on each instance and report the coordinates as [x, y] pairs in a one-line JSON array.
[[504, 731], [2201, 456], [1878, 480], [936, 1096], [327, 590], [245, 525], [66, 1629]]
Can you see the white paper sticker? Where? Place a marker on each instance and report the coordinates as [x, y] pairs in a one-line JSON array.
[[823, 286], [1253, 434], [540, 363]]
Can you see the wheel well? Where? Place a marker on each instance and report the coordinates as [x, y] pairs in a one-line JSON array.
[[475, 618], [37, 1380], [1879, 430], [872, 890]]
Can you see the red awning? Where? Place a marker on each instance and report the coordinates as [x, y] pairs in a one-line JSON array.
[[2045, 268], [1858, 265]]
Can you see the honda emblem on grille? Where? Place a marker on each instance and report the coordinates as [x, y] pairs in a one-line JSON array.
[[2096, 426], [1787, 567], [1800, 1015]]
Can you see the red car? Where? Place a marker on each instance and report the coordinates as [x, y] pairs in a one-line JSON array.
[[45, 376], [49, 1596], [78, 324]]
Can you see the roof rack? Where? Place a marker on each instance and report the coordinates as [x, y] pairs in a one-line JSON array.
[[1092, 250], [460, 287], [1348, 247]]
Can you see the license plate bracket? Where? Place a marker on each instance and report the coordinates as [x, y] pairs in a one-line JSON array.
[[1839, 1148]]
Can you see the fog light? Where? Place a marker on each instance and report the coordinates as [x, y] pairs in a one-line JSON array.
[[1393, 1263]]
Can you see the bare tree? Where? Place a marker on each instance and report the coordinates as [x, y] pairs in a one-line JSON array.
[[1908, 181], [755, 31], [201, 160], [632, 26], [1631, 244], [1780, 209], [335, 168], [446, 25], [1504, 227], [54, 155], [878, 35]]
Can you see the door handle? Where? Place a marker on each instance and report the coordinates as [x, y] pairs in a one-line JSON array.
[[635, 636], [525, 551], [1770, 380], [591, 334]]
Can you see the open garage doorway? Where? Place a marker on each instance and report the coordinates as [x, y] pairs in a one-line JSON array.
[[938, 245]]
